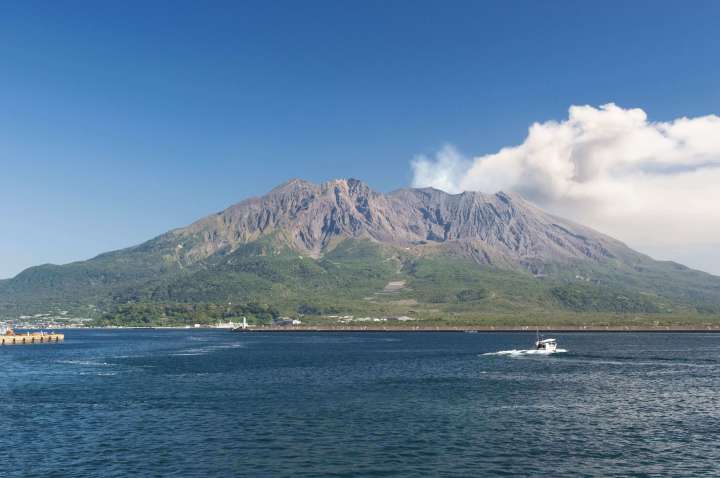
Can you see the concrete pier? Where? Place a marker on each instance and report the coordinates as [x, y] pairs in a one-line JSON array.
[[31, 338]]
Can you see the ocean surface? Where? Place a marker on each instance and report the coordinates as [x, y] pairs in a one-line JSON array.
[[207, 403]]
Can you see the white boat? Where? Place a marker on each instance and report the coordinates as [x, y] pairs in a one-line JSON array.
[[546, 345], [542, 347]]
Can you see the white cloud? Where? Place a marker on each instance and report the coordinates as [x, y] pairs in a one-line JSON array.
[[609, 168]]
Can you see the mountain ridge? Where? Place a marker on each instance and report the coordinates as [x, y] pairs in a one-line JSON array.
[[314, 214]]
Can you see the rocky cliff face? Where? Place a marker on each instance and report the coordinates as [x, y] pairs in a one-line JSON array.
[[495, 229]]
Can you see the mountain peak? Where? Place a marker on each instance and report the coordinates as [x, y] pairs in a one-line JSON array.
[[348, 184], [292, 185]]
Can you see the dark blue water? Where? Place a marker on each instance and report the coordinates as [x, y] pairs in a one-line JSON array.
[[212, 403]]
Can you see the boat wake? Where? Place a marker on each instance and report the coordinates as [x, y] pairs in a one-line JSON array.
[[518, 353], [207, 349]]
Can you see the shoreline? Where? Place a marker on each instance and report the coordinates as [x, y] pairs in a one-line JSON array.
[[503, 329], [456, 329], [475, 329]]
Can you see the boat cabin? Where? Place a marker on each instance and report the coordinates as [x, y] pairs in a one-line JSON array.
[[549, 345]]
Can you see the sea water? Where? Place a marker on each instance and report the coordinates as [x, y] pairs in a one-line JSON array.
[[207, 403]]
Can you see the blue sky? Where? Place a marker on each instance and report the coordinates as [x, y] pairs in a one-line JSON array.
[[121, 120]]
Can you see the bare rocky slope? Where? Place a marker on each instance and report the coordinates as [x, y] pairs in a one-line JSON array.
[[251, 251], [499, 229]]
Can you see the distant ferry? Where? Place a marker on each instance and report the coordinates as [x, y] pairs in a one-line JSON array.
[[9, 337]]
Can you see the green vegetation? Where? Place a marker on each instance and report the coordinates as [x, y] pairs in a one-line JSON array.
[[262, 282], [158, 315], [585, 298]]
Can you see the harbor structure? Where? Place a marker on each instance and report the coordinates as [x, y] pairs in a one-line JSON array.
[[8, 336]]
